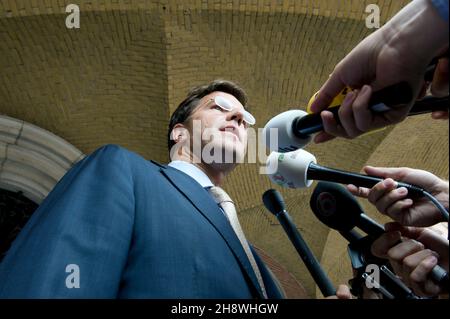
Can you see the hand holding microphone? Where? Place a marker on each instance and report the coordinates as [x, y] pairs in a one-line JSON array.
[[392, 54], [414, 254], [295, 127], [299, 168], [335, 206], [391, 200]]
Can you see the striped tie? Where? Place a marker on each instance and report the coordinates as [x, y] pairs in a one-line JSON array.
[[225, 202]]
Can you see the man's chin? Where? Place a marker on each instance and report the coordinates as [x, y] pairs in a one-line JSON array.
[[224, 156], [232, 152]]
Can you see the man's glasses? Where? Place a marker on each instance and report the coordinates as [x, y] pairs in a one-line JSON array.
[[226, 105]]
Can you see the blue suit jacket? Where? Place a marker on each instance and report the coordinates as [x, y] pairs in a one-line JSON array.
[[135, 229]]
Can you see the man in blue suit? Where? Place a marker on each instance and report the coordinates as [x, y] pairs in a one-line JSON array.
[[119, 226]]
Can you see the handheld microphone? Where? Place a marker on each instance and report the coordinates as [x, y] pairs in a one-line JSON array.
[[275, 204], [312, 123], [299, 168], [329, 201], [337, 208], [295, 127]]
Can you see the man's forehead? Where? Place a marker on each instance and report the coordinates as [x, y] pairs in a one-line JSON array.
[[231, 98]]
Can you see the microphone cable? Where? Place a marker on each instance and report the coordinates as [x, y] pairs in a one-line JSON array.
[[439, 206]]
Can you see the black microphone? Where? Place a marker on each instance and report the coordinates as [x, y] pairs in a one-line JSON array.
[[299, 168], [337, 208], [275, 204], [328, 199], [294, 128], [380, 101]]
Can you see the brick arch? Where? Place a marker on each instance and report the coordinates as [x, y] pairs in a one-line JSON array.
[[32, 160]]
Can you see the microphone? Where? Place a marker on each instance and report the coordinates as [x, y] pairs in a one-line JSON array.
[[337, 208], [330, 200], [295, 127], [299, 168], [275, 204]]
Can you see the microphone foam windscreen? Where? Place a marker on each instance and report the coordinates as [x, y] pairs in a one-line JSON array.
[[290, 169], [279, 134]]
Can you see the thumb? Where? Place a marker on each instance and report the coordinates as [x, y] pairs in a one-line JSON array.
[[332, 87]]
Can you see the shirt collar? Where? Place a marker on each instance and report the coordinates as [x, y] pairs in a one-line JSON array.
[[193, 171]]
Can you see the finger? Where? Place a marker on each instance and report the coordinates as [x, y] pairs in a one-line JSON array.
[[399, 211], [397, 173], [404, 249], [346, 115], [430, 289], [420, 276], [332, 87], [363, 115], [343, 292], [382, 244], [322, 137], [439, 115], [406, 231], [380, 189], [358, 191], [421, 266], [393, 198], [439, 85], [330, 125], [412, 261]]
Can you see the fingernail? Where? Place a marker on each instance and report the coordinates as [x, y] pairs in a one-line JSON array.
[[435, 254], [364, 89], [402, 191], [348, 98], [432, 260], [388, 182]]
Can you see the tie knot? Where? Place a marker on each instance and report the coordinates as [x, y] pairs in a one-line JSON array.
[[219, 195]]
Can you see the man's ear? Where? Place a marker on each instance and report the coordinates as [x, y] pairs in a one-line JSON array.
[[179, 133]]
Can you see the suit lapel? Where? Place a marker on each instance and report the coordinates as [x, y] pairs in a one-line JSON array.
[[211, 211]]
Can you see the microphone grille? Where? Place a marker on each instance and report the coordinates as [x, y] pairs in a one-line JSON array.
[[273, 201]]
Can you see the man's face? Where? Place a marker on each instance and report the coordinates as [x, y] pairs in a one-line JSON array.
[[223, 133]]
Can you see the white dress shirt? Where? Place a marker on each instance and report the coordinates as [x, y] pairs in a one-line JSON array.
[[193, 171]]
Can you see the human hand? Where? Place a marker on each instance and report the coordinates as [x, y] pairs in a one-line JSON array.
[[439, 86], [394, 202], [343, 292], [413, 256], [399, 51]]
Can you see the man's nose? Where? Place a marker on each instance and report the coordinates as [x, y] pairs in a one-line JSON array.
[[237, 115]]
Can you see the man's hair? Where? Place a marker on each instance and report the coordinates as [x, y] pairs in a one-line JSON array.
[[184, 110]]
